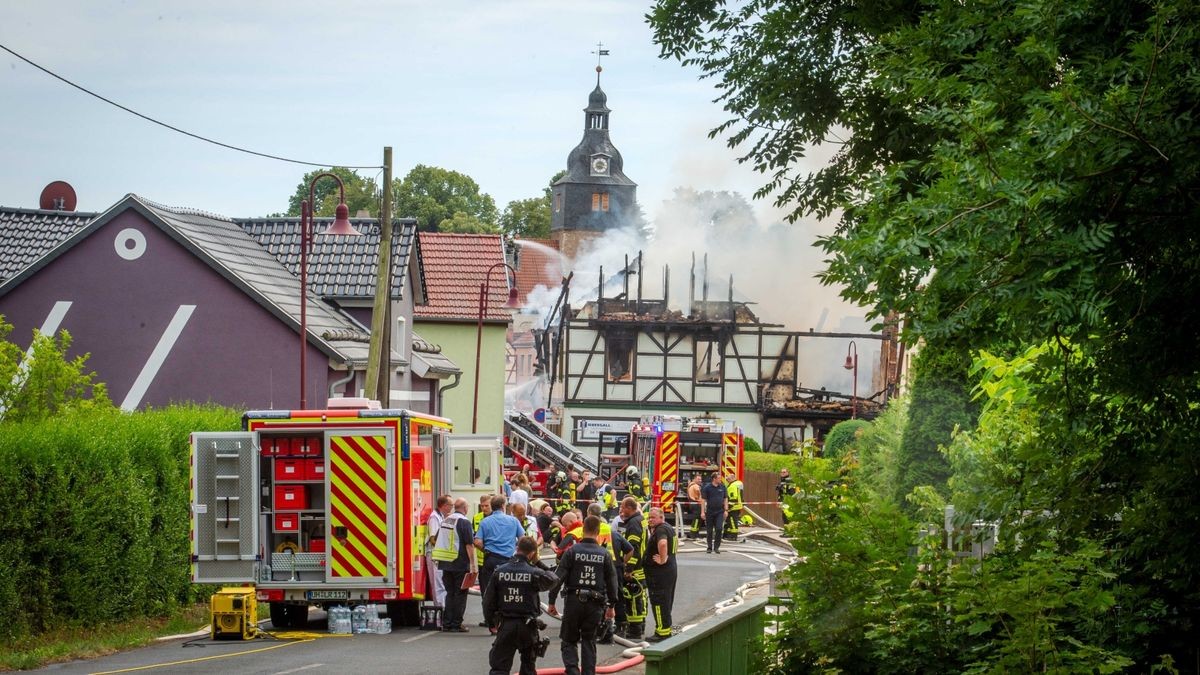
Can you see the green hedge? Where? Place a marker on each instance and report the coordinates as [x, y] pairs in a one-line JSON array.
[[95, 516], [769, 461]]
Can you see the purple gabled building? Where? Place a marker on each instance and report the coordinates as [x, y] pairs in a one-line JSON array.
[[179, 305]]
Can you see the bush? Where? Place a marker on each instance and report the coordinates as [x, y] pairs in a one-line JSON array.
[[842, 437], [95, 521], [769, 461]]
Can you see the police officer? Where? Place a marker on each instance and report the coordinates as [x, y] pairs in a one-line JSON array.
[[633, 590], [512, 598], [589, 581], [661, 573], [619, 549], [735, 489]]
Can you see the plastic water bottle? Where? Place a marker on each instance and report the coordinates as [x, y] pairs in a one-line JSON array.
[[358, 619], [339, 619], [385, 626]]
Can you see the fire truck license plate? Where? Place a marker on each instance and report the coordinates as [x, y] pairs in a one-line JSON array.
[[329, 595]]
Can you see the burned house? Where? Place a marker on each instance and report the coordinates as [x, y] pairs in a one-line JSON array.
[[620, 356]]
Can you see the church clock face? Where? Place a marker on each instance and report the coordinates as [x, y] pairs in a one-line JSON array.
[[599, 165]]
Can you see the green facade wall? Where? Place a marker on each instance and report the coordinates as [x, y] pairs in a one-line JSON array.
[[457, 341]]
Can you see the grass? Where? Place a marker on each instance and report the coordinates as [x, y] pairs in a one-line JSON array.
[[71, 643]]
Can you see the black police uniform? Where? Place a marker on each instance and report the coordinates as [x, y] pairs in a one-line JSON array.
[[661, 578], [512, 597], [588, 578]]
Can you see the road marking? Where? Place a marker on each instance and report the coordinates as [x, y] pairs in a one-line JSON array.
[[296, 670], [203, 658], [418, 637], [134, 398]]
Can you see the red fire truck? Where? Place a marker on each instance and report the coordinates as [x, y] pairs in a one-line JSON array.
[[669, 449], [325, 507]]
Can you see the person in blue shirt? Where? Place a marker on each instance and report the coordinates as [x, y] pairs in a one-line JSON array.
[[497, 537]]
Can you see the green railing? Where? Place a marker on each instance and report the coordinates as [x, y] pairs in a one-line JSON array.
[[719, 645]]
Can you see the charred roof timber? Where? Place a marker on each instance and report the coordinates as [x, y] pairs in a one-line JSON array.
[[622, 309]]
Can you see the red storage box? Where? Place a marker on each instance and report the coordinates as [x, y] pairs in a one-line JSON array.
[[287, 522], [314, 469], [296, 446], [316, 545], [289, 497], [289, 469], [310, 446], [268, 446]]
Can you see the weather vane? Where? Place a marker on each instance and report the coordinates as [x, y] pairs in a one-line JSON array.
[[600, 52]]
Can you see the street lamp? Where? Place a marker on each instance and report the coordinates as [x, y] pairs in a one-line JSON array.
[[852, 364], [341, 226], [483, 303]]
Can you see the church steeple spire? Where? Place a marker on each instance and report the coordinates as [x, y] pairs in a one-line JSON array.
[[595, 195]]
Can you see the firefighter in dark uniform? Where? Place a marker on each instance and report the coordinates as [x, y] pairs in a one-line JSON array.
[[633, 590], [661, 573], [588, 578], [562, 494], [635, 485], [512, 598]]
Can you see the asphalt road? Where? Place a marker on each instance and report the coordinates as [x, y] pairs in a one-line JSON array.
[[704, 581]]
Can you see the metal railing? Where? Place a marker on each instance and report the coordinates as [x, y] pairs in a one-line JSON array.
[[722, 644]]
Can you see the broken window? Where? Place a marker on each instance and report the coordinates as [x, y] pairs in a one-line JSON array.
[[708, 361], [619, 357]]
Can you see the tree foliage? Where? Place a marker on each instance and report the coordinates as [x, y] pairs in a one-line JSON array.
[[1012, 176], [843, 437], [726, 215], [530, 218], [362, 194], [434, 195], [45, 382]]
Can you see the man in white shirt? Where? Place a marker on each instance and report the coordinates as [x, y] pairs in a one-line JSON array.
[[445, 504]]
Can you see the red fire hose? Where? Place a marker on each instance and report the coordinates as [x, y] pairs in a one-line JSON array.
[[611, 668]]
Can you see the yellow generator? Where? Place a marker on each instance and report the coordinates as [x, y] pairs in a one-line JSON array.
[[234, 613]]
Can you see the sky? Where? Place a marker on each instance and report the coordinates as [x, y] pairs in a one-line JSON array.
[[494, 90]]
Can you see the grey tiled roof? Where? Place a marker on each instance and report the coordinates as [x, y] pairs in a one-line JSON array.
[[338, 267], [27, 234]]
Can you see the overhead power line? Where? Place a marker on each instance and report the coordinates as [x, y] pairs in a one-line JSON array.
[[174, 128]]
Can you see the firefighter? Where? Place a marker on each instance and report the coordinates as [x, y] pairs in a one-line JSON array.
[[512, 598], [784, 489], [588, 578], [563, 493], [633, 592], [661, 573], [693, 495], [735, 489], [637, 486]]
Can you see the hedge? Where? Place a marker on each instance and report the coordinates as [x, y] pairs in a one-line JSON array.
[[770, 461], [95, 516]]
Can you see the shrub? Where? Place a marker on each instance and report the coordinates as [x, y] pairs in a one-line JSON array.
[[843, 436], [95, 520]]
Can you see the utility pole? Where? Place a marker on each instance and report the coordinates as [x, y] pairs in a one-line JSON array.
[[378, 385]]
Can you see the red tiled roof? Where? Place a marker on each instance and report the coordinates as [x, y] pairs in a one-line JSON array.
[[539, 263], [455, 266]]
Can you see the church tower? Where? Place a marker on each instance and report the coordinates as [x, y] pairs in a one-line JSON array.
[[595, 196]]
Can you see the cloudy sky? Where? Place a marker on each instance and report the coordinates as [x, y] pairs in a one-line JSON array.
[[492, 89]]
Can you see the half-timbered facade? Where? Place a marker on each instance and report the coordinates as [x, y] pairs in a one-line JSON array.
[[623, 360]]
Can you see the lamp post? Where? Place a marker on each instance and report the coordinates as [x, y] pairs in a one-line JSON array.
[[852, 364], [341, 226], [483, 303]]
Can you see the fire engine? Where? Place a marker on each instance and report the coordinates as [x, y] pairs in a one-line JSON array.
[[328, 507], [669, 449]]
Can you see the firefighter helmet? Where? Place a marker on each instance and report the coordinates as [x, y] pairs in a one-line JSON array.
[[631, 472], [561, 475]]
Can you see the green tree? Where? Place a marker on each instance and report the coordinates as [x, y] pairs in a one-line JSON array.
[[465, 224], [527, 218], [1010, 175], [530, 218], [362, 194], [433, 195], [45, 383], [843, 438]]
